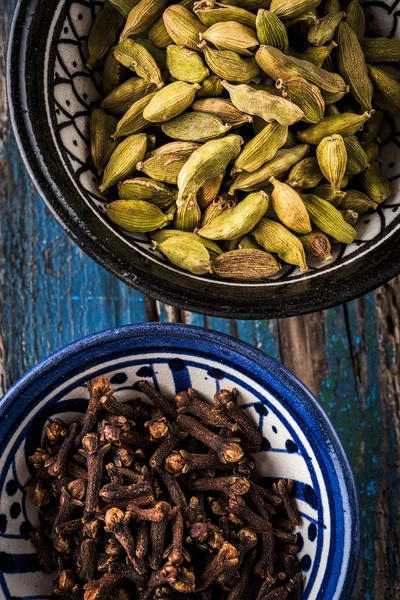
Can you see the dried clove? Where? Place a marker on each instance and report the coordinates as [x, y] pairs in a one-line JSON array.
[[226, 401], [158, 399], [283, 489], [226, 558], [43, 549], [231, 486], [94, 458], [98, 387], [116, 522], [229, 452], [182, 462], [190, 402]]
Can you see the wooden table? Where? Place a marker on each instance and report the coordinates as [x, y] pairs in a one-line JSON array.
[[52, 294]]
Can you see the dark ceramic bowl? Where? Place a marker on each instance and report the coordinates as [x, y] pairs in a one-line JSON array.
[[51, 94]]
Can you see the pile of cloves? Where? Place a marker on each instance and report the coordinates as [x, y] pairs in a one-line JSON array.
[[162, 501]]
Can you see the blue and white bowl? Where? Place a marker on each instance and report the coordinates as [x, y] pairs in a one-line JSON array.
[[298, 440]]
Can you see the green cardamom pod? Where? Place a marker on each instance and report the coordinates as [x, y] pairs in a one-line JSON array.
[[357, 201], [325, 191], [113, 72], [381, 50], [133, 120], [371, 129], [289, 207], [350, 216], [232, 36], [250, 5], [331, 110], [386, 88], [229, 245], [277, 167], [102, 126], [291, 141], [305, 174], [275, 237], [215, 208], [186, 253], [124, 7], [239, 221], [352, 65], [211, 87], [261, 148], [209, 191], [229, 65], [158, 34], [223, 109], [271, 31], [264, 105], [344, 124], [137, 216], [317, 246], [185, 64], [375, 183], [305, 20], [208, 161], [120, 99], [356, 18], [332, 159], [357, 159], [328, 219], [188, 214], [144, 188], [142, 16], [159, 54], [138, 59], [217, 13], [195, 127], [174, 150], [183, 26], [372, 152], [332, 97], [324, 31], [305, 95], [170, 102], [280, 66], [164, 164], [249, 243], [317, 55], [165, 234], [246, 264], [290, 9], [331, 7], [123, 160], [103, 34]]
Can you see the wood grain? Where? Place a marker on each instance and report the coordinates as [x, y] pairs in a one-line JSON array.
[[349, 356]]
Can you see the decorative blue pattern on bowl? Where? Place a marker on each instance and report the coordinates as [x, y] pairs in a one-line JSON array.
[[299, 442]]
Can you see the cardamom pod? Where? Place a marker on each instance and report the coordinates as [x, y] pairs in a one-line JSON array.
[[280, 66], [264, 105], [332, 159], [246, 264], [381, 50], [325, 191], [290, 9], [186, 65], [101, 145], [386, 89], [277, 167], [124, 7], [229, 245], [211, 87], [142, 16], [215, 208], [113, 72], [239, 221], [371, 128], [350, 216], [233, 36], [249, 243], [332, 97], [188, 214], [332, 7], [271, 31], [305, 20], [251, 5], [317, 246], [123, 160], [372, 152], [331, 110], [317, 55], [357, 159], [144, 188], [305, 174], [275, 237], [289, 207], [291, 141], [186, 253], [262, 148], [344, 124], [217, 13], [324, 31], [170, 102], [356, 18], [158, 34], [183, 26], [209, 191], [357, 201], [103, 34], [352, 65], [195, 127], [328, 219], [229, 65], [375, 183], [137, 216], [223, 109], [164, 163], [133, 120], [208, 161], [174, 150], [120, 99], [138, 59], [165, 234], [305, 95], [159, 54]]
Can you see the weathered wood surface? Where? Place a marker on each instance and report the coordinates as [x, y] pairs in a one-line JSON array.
[[51, 294]]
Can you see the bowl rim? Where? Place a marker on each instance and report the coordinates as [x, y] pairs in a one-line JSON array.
[[322, 292], [262, 361]]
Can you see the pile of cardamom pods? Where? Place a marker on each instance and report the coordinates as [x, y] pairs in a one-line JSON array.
[[238, 134]]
